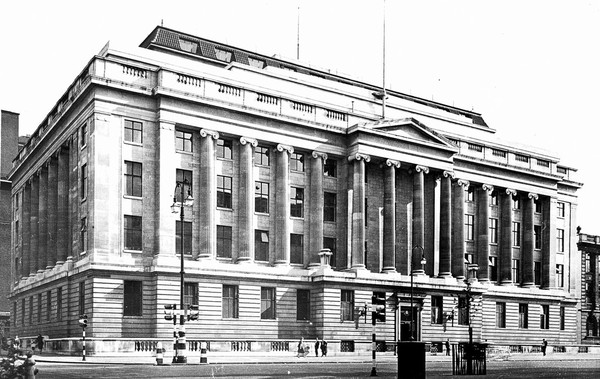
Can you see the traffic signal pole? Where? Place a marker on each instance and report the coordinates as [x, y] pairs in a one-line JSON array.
[[374, 345]]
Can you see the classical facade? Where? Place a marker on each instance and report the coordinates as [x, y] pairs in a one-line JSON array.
[[285, 163], [589, 245]]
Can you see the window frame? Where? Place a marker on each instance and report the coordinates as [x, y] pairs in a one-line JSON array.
[[224, 193], [523, 316], [493, 228], [500, 315], [297, 162], [261, 200], [516, 234], [296, 202], [469, 227], [330, 168], [560, 240], [296, 248], [224, 149], [184, 141], [130, 132], [133, 179], [187, 241], [133, 305], [437, 309], [132, 234], [347, 305], [303, 305], [329, 206], [230, 301], [268, 303], [260, 245], [224, 241], [262, 154], [544, 316], [190, 293]]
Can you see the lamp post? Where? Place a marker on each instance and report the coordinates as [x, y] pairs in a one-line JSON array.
[[180, 345], [471, 277], [412, 264]]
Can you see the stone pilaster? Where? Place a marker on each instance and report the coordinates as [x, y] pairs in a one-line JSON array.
[[207, 195], [52, 210], [389, 216], [26, 230], [445, 269], [62, 220], [358, 209], [316, 207], [74, 197], [282, 206], [166, 183], [506, 241], [458, 228], [528, 241], [549, 213], [483, 232], [246, 215], [418, 234], [34, 223]]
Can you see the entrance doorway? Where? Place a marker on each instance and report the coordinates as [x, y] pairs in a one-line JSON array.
[[405, 319]]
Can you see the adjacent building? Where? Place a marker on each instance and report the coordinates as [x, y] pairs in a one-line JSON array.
[[286, 164], [589, 245]]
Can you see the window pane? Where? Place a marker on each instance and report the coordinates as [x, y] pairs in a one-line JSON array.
[[132, 298], [223, 241], [261, 245], [230, 302], [267, 300], [133, 233], [302, 304]]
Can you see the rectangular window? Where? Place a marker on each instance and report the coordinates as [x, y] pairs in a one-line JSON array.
[[30, 310], [537, 237], [23, 311], [516, 202], [83, 240], [537, 273], [133, 179], [133, 232], [560, 240], [297, 162], [39, 308], [329, 206], [190, 294], [267, 303], [223, 55], [494, 198], [516, 234], [562, 318], [347, 305], [183, 177], [133, 131], [303, 305], [330, 168], [224, 241], [470, 194], [261, 245], [59, 304], [560, 276], [437, 309], [500, 315], [538, 205], [224, 190], [561, 209], [132, 298], [183, 141], [516, 271], [84, 135], [331, 244], [224, 149], [187, 238], [523, 316], [469, 227], [48, 305], [494, 230], [261, 197], [230, 301], [297, 202], [296, 248], [81, 298], [544, 317], [84, 182], [262, 156], [255, 62], [493, 269], [189, 46], [463, 311]]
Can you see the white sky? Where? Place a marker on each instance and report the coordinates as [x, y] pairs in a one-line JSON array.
[[532, 68]]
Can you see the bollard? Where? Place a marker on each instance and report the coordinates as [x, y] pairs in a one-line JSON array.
[[159, 353], [203, 358]]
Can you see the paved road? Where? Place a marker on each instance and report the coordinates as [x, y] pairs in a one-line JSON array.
[[580, 369]]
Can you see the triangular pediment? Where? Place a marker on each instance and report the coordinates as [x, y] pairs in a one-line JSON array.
[[410, 129]]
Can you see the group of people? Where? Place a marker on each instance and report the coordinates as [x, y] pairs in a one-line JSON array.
[[304, 348]]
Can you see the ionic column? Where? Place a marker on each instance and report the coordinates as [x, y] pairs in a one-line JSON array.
[[207, 195], [74, 198], [418, 233], [483, 232], [52, 210], [282, 206], [62, 207], [246, 219], [358, 210], [458, 228], [34, 223], [389, 216], [506, 242], [26, 231], [446, 224], [43, 219], [549, 213], [528, 240], [316, 207]]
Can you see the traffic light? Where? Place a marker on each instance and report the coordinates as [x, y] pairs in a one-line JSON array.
[[194, 313], [359, 312], [378, 308], [169, 311], [83, 322]]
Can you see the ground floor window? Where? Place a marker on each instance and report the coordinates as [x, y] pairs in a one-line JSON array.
[[132, 298], [267, 303]]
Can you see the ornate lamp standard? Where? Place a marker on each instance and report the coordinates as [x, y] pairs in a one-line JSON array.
[[471, 278], [412, 264], [180, 356]]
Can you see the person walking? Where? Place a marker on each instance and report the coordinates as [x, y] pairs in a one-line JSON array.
[[323, 348], [301, 348], [40, 343], [317, 345], [544, 345], [447, 346]]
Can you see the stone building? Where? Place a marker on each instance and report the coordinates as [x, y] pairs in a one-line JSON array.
[[284, 162], [589, 245]]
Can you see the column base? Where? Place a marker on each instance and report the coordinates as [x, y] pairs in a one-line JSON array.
[[281, 263], [445, 275], [389, 270], [527, 284], [59, 263], [244, 261]]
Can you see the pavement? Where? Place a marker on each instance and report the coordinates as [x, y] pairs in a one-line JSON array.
[[287, 358]]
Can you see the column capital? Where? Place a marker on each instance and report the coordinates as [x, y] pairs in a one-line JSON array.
[[392, 162], [281, 148], [420, 168], [318, 154], [463, 183], [487, 187], [511, 192], [449, 174], [533, 196], [206, 132], [358, 157], [248, 140]]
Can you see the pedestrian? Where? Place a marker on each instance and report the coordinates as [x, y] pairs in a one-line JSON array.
[[317, 345], [17, 342], [447, 346], [301, 348], [29, 366], [40, 342], [323, 348], [544, 345]]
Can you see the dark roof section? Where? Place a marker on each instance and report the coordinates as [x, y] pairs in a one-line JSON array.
[[204, 49]]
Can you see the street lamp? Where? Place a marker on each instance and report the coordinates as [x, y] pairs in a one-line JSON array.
[[180, 206], [412, 264], [471, 278]]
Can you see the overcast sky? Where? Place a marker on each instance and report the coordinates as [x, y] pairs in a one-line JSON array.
[[531, 68]]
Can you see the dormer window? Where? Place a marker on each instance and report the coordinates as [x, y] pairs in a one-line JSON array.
[[254, 62], [223, 55], [189, 46]]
